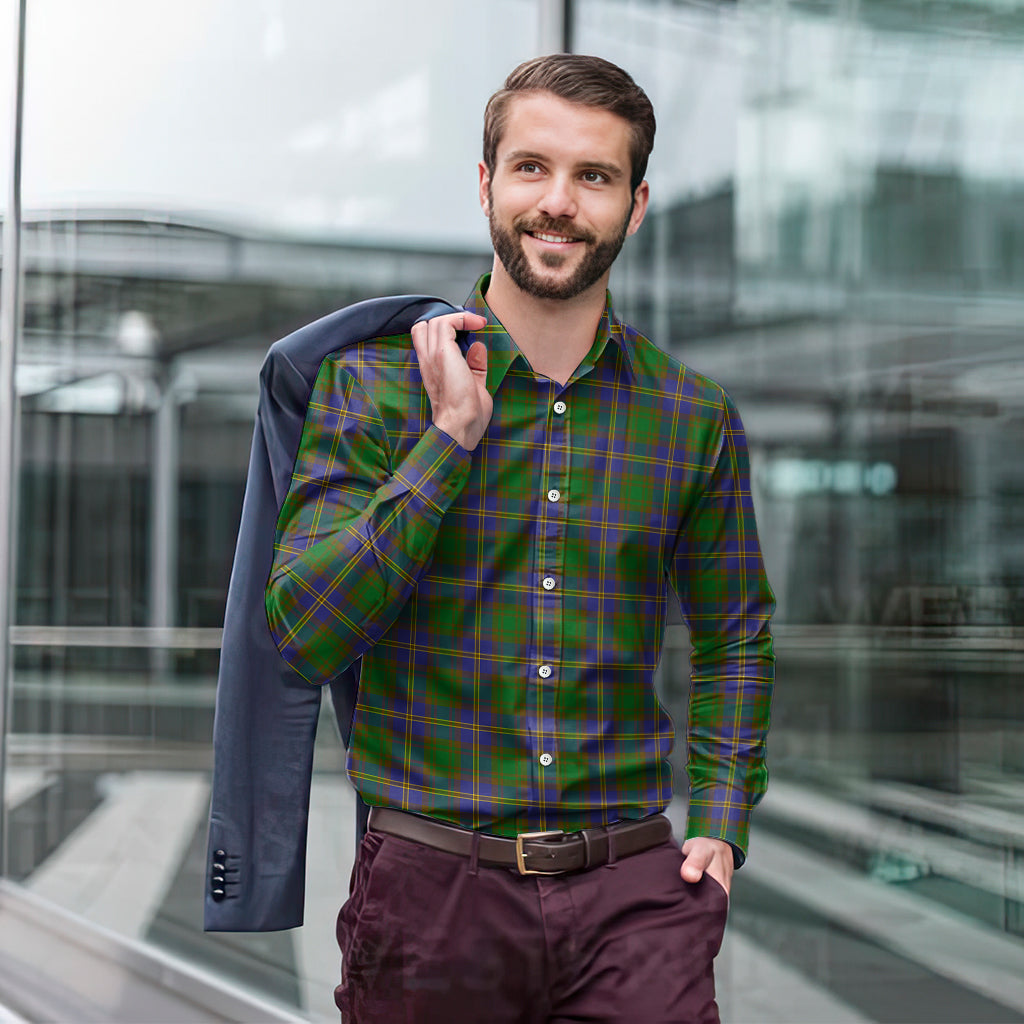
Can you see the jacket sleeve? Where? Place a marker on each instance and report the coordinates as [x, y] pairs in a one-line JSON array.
[[726, 602], [354, 532]]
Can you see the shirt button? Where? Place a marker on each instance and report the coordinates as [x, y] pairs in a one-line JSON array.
[[559, 407], [544, 671], [546, 759], [554, 495], [548, 582]]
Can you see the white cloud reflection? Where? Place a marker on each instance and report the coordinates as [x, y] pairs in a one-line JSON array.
[[312, 116]]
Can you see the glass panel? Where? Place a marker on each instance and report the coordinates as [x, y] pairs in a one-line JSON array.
[[8, 26], [201, 178], [8, 55], [836, 237]]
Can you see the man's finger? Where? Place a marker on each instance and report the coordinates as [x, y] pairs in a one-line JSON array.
[[690, 871], [470, 321], [442, 330], [461, 321], [477, 357], [695, 864]]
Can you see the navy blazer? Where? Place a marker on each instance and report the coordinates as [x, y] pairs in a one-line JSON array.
[[266, 713]]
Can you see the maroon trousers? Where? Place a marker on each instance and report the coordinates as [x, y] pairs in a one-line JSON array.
[[430, 937]]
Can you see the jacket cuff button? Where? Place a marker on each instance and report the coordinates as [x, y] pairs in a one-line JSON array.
[[218, 895]]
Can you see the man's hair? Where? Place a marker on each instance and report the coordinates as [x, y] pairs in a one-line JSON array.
[[577, 78]]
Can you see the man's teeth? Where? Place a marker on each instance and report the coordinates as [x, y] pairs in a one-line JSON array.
[[551, 238]]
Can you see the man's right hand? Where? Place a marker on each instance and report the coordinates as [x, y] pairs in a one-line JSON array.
[[457, 386]]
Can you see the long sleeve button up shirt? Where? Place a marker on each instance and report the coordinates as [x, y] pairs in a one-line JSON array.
[[509, 604]]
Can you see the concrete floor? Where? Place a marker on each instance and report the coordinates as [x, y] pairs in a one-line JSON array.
[[810, 940]]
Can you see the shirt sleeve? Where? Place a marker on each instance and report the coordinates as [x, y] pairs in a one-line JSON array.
[[726, 602], [353, 534]]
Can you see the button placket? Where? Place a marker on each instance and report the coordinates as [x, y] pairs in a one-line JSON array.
[[548, 596]]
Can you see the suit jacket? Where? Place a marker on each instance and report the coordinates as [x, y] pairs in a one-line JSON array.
[[266, 713]]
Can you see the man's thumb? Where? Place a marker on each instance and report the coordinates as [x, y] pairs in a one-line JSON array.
[[477, 357]]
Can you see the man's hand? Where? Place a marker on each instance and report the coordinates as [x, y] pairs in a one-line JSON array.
[[711, 855], [457, 387]]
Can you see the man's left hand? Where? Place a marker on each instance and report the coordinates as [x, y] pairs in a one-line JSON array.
[[711, 855]]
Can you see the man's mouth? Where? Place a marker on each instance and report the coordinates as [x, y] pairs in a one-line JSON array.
[[545, 236]]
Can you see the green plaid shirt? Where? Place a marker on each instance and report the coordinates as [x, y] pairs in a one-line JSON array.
[[509, 604]]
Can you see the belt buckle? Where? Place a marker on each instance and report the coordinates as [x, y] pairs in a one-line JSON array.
[[520, 855]]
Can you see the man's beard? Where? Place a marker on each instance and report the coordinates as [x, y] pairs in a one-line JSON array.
[[508, 247]]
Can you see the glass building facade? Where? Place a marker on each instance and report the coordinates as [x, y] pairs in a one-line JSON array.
[[836, 235]]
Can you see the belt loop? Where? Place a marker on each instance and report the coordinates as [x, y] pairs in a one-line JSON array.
[[586, 848], [611, 847], [474, 853]]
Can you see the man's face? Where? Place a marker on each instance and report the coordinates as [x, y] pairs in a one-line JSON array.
[[559, 203]]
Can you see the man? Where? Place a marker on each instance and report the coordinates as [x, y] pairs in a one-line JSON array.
[[493, 526]]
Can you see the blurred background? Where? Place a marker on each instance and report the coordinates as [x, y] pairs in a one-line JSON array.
[[836, 235]]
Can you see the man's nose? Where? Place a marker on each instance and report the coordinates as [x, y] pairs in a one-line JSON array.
[[559, 199]]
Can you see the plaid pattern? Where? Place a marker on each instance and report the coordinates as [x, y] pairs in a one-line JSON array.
[[509, 604]]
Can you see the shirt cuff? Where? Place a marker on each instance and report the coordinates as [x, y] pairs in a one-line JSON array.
[[719, 812], [434, 427], [436, 469]]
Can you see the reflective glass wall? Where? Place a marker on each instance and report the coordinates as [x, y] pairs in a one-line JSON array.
[[835, 236], [199, 180]]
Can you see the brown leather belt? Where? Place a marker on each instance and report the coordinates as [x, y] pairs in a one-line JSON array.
[[530, 853]]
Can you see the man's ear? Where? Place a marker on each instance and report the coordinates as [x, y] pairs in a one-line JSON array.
[[640, 199], [485, 181]]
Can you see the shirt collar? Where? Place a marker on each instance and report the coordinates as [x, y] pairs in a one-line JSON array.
[[502, 351]]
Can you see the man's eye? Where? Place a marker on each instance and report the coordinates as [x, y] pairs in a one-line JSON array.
[[528, 168], [593, 177]]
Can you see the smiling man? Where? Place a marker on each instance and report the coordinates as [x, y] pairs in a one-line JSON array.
[[493, 514]]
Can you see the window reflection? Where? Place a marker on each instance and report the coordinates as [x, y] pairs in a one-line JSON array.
[[199, 180], [854, 281]]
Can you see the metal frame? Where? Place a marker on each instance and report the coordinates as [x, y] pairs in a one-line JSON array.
[[10, 323], [554, 26]]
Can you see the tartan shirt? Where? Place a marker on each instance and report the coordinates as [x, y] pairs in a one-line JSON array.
[[509, 603]]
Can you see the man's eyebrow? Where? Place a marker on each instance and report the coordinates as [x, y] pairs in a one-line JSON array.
[[613, 171]]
